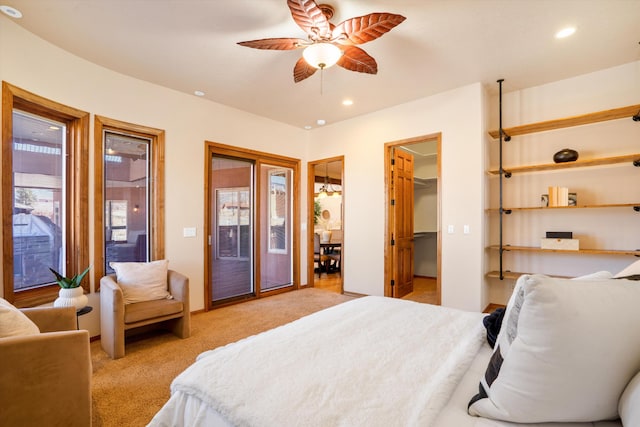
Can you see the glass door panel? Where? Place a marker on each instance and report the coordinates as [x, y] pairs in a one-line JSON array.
[[232, 226], [276, 214]]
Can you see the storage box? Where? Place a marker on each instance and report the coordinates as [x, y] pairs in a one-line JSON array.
[[561, 244]]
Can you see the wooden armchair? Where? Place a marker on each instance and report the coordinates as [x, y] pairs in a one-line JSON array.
[[116, 317]]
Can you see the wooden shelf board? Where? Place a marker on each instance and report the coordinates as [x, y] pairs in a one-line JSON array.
[[577, 164], [506, 274], [492, 306], [513, 275], [594, 206], [565, 251], [584, 119]]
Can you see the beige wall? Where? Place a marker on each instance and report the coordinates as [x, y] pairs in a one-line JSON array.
[[458, 115], [35, 65]]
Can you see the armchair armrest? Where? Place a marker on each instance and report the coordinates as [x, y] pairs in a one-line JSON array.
[[36, 370], [178, 286], [51, 319], [111, 316], [111, 296]]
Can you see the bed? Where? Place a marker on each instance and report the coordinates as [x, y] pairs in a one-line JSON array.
[[377, 361]]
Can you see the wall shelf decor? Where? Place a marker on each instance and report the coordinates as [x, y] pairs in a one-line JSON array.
[[599, 198]]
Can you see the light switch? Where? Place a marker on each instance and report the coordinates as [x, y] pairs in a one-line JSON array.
[[189, 232], [466, 229], [450, 229]]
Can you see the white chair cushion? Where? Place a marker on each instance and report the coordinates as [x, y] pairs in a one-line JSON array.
[[13, 322], [565, 352], [629, 405], [142, 281]]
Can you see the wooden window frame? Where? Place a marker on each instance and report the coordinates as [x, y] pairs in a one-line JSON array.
[[77, 206], [156, 193]]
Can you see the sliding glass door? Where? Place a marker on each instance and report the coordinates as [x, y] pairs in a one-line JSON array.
[[252, 217], [232, 225]]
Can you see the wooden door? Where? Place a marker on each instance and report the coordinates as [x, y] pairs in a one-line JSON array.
[[402, 226]]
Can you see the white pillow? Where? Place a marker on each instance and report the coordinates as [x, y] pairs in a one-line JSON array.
[[629, 405], [13, 322], [632, 270], [142, 281], [565, 352]]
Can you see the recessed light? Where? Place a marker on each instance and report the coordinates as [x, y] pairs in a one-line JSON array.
[[565, 32], [347, 102], [321, 122], [307, 127], [198, 93], [11, 11]]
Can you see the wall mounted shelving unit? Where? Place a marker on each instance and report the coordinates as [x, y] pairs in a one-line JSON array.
[[506, 135]]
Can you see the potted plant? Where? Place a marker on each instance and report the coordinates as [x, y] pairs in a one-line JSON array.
[[71, 293], [317, 210]]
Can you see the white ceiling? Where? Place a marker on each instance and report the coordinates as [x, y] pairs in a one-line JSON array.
[[191, 45]]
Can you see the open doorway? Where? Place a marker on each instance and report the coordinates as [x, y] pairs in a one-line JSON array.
[[413, 237], [326, 227]]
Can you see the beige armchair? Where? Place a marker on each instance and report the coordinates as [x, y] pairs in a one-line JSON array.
[[45, 379], [116, 317]]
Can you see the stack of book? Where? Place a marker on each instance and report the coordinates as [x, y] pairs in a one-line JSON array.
[[558, 196]]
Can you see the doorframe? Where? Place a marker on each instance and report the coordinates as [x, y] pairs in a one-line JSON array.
[[388, 213], [310, 217], [215, 148]]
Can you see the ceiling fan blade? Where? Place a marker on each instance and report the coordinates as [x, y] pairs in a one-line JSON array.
[[356, 59], [274, 44], [302, 70], [365, 28], [310, 18]]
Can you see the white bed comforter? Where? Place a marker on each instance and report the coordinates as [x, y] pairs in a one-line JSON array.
[[373, 361]]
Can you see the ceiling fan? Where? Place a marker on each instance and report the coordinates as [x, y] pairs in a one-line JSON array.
[[327, 43]]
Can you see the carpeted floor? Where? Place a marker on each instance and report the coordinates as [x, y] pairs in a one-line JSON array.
[[129, 391]]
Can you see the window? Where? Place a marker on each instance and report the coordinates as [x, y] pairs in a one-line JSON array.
[[278, 198], [234, 223], [44, 206], [129, 178], [115, 217]]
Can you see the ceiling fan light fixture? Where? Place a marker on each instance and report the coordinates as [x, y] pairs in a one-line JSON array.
[[322, 55]]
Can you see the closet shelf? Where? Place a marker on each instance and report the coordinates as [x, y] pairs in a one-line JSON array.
[[508, 248], [584, 119], [577, 164], [591, 206], [424, 182]]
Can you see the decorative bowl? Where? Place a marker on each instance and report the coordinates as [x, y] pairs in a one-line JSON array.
[[565, 155]]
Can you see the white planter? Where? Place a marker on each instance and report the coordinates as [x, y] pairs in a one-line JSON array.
[[326, 237], [71, 297]]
